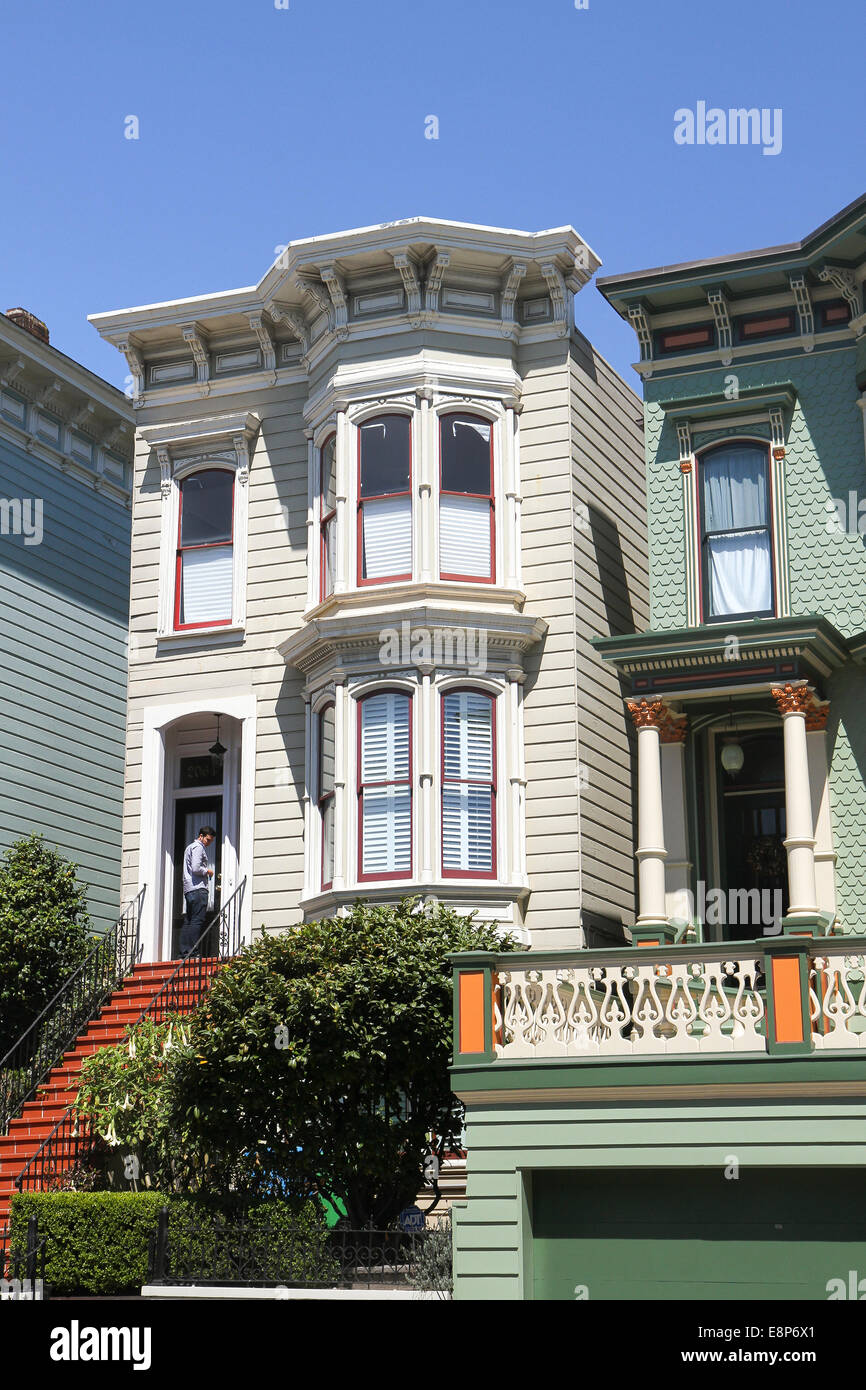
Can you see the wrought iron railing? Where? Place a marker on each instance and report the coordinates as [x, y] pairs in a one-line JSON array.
[[25, 1266], [207, 1251], [73, 1138], [39, 1049]]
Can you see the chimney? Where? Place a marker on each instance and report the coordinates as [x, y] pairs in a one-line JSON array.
[[23, 318]]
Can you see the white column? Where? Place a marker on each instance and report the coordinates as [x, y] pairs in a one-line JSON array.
[[511, 570], [825, 856], [650, 853], [425, 817], [793, 702], [679, 901], [341, 754], [313, 552], [311, 759], [342, 542], [514, 714], [426, 453]]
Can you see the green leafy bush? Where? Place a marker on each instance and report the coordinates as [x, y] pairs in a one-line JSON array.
[[98, 1241], [44, 932]]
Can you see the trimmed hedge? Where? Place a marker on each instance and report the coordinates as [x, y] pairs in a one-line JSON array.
[[98, 1241]]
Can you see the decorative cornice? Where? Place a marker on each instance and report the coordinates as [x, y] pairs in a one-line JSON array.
[[220, 438], [718, 303], [315, 290], [508, 297], [803, 300], [295, 321]]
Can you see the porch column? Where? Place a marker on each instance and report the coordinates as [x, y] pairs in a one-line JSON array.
[[794, 702], [679, 900], [825, 857], [650, 717]]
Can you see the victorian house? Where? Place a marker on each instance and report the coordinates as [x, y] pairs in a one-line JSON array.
[[684, 1118], [384, 501]]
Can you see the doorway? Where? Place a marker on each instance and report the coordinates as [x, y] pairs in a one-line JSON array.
[[753, 861], [190, 817]]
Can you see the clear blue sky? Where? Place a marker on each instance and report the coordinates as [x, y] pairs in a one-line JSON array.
[[259, 125]]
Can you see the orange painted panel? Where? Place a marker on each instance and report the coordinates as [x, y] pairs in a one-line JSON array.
[[471, 1000], [787, 1001]]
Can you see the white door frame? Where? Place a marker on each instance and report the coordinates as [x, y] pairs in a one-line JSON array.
[[156, 849]]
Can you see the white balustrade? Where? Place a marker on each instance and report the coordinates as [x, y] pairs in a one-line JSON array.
[[630, 1009], [837, 1001]]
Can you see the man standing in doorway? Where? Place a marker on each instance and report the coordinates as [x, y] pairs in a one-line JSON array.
[[196, 872]]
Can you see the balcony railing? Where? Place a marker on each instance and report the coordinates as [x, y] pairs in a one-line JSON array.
[[790, 994]]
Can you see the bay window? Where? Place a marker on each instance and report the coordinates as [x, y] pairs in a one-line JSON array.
[[205, 552], [327, 514], [326, 792], [385, 499], [468, 784], [466, 519], [736, 549], [385, 786]]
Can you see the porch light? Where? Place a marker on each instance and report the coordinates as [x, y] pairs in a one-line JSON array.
[[218, 750], [732, 757]]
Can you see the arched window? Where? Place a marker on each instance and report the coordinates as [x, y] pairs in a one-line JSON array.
[[385, 499], [205, 554], [466, 519], [385, 785], [327, 514], [468, 784], [736, 544], [326, 792]]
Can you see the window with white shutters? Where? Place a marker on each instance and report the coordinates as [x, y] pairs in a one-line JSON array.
[[466, 517], [468, 785], [385, 499], [385, 786], [327, 514], [326, 792], [205, 554]]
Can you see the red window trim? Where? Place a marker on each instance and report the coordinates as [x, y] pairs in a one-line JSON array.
[[324, 798], [386, 578], [449, 492], [215, 545], [407, 781], [718, 444], [325, 518], [453, 781]]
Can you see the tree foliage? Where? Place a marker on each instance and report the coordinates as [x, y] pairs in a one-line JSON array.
[[44, 932], [321, 1056]]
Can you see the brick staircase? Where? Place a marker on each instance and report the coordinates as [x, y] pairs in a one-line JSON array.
[[40, 1115]]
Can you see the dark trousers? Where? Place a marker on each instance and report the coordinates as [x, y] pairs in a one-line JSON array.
[[193, 926]]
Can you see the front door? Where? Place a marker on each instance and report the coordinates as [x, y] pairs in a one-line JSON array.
[[190, 817], [752, 854]]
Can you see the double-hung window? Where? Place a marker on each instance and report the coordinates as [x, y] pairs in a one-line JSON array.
[[326, 792], [385, 786], [327, 514], [385, 499], [468, 784], [205, 553], [466, 522], [736, 547]]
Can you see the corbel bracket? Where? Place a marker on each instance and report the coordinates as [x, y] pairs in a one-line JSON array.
[[719, 305], [803, 300]]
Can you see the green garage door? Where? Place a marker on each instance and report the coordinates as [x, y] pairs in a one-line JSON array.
[[684, 1234]]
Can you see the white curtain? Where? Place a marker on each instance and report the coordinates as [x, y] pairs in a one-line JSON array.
[[735, 496], [467, 805], [464, 536], [387, 537], [207, 585]]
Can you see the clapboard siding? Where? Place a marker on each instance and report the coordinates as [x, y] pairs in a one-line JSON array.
[[63, 642]]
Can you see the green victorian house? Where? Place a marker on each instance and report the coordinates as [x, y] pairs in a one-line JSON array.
[[684, 1117]]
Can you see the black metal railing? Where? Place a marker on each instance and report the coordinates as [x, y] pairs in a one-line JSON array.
[[184, 1250], [27, 1265], [73, 1139], [40, 1048]]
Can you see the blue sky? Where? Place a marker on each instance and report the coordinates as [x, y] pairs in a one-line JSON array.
[[258, 125]]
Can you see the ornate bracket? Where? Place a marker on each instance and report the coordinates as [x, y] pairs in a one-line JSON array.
[[83, 416], [684, 441], [777, 431], [409, 275], [557, 289], [135, 362], [265, 341], [843, 279], [48, 396], [510, 286], [639, 320], [293, 321], [12, 369], [803, 300], [196, 344], [435, 276], [719, 305], [337, 290], [164, 457], [319, 295]]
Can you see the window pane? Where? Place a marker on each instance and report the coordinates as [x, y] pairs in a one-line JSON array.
[[386, 537], [206, 508], [328, 842], [740, 573], [329, 553], [329, 475], [468, 735], [385, 456], [735, 489], [465, 445], [326, 751], [386, 830], [385, 738], [467, 828], [206, 585], [464, 536]]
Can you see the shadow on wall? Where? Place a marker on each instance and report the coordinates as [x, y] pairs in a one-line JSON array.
[[619, 614]]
